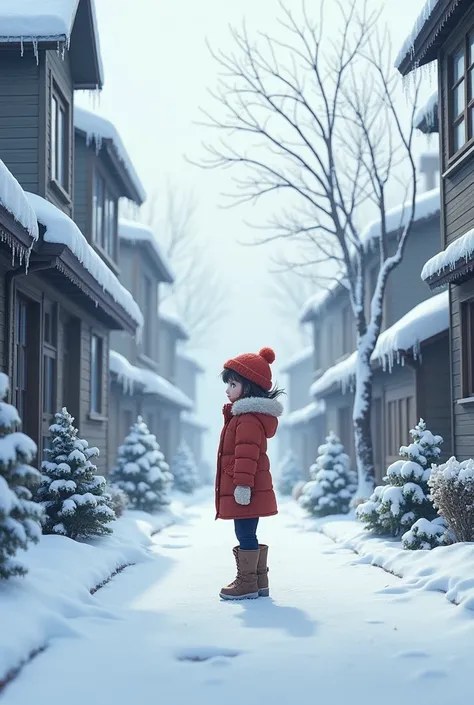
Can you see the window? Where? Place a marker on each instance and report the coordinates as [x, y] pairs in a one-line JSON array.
[[400, 413], [104, 217], [147, 307], [96, 374], [59, 139], [21, 357], [461, 94], [346, 330], [49, 367], [467, 349]]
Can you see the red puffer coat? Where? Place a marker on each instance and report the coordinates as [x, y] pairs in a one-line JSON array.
[[242, 458]]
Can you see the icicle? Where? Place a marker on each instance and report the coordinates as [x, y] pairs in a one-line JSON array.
[[35, 49], [58, 47], [22, 46]]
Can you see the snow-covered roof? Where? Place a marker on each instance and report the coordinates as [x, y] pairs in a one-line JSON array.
[[301, 356], [306, 414], [169, 315], [60, 229], [129, 375], [460, 249], [192, 419], [97, 129], [39, 21], [427, 205], [409, 43], [426, 116], [14, 200], [188, 357], [134, 232], [424, 321]]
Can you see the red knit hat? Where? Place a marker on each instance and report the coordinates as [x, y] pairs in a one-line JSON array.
[[255, 368]]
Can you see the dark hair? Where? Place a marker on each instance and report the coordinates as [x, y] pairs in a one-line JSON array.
[[250, 389]]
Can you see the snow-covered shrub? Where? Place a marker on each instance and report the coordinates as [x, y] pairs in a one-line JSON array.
[[404, 498], [141, 470], [118, 500], [425, 535], [333, 483], [20, 517], [74, 497], [289, 473], [298, 490], [184, 470], [452, 492]]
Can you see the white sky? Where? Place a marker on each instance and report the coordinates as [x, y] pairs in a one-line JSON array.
[[157, 72]]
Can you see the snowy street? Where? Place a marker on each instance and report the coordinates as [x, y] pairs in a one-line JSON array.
[[334, 630]]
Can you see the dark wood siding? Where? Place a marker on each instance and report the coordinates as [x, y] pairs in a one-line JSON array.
[[434, 391], [19, 115]]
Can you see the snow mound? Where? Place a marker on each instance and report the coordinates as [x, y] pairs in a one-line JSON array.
[[60, 229], [129, 375], [14, 200], [98, 129], [460, 249]]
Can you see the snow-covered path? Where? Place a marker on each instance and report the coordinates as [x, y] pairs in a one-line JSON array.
[[334, 631]]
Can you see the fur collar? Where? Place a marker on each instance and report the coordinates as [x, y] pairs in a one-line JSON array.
[[257, 405]]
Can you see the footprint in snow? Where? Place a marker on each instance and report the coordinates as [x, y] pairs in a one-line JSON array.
[[199, 654], [178, 536], [374, 621], [430, 673], [175, 545], [413, 654]]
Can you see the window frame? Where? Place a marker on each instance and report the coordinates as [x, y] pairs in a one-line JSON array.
[[49, 355], [96, 380], [467, 78], [58, 99], [467, 352], [105, 240]]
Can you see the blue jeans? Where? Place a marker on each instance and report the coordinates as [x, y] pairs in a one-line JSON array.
[[246, 532]]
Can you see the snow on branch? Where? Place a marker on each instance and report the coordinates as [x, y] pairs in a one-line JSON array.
[[14, 200], [149, 382], [424, 321], [60, 229], [98, 129], [460, 249]]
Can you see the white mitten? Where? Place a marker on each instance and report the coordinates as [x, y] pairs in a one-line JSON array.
[[242, 495]]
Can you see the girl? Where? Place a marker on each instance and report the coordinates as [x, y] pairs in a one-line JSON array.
[[244, 489]]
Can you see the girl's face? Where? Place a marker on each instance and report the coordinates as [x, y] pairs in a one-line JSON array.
[[233, 390]]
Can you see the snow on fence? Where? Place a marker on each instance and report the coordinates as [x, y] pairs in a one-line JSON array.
[[14, 200], [129, 376], [460, 249], [98, 129], [134, 232], [60, 229], [424, 321]]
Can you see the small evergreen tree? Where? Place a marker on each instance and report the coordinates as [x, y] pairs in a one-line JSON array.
[[404, 498], [333, 483], [20, 517], [141, 470], [184, 470], [74, 497], [290, 473]]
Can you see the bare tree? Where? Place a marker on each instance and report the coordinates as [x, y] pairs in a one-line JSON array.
[[311, 117], [198, 291]]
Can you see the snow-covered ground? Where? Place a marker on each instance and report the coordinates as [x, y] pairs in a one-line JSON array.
[[335, 630]]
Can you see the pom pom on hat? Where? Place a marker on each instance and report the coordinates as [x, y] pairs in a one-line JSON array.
[[268, 354], [253, 367]]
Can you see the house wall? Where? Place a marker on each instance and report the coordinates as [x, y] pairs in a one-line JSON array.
[[299, 378], [167, 351], [463, 413], [434, 391], [186, 377]]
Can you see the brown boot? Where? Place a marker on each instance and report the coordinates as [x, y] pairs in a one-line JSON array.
[[245, 585], [262, 572]]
